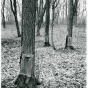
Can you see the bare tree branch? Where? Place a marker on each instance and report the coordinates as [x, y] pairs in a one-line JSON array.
[[54, 1], [81, 12], [56, 4], [12, 6]]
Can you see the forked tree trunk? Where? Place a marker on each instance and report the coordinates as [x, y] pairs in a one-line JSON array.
[[26, 78], [47, 23], [69, 25], [3, 15], [40, 17], [14, 11]]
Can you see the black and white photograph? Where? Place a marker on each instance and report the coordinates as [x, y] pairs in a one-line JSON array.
[[44, 44]]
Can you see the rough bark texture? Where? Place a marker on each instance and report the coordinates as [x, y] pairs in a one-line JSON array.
[[26, 78], [47, 23], [3, 16], [14, 11], [69, 25]]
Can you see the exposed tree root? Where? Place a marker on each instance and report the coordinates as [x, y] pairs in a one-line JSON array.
[[70, 47], [26, 82]]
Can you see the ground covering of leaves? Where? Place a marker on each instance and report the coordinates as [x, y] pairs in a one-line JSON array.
[[57, 69]]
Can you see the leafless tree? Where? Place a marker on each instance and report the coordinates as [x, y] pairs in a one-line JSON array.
[[14, 11], [69, 25], [26, 78], [47, 23]]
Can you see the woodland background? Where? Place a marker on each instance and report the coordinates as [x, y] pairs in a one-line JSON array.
[[55, 65]]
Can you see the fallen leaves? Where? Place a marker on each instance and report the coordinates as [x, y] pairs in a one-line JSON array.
[[57, 69]]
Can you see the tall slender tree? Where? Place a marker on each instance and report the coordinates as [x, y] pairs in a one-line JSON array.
[[39, 17], [26, 78], [75, 4], [47, 23], [66, 9], [53, 16], [3, 15], [14, 11], [52, 24], [69, 25], [36, 12], [63, 10]]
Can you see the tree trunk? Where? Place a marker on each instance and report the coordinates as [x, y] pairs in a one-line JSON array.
[[14, 11], [52, 26], [75, 12], [47, 23], [39, 12], [63, 14], [26, 78], [17, 25], [69, 25], [3, 16], [38, 30], [36, 12], [66, 9], [40, 16]]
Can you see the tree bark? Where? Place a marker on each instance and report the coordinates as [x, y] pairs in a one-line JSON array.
[[63, 14], [52, 25], [36, 12], [75, 12], [3, 15], [69, 25], [14, 11], [66, 9], [47, 23], [26, 78], [17, 25]]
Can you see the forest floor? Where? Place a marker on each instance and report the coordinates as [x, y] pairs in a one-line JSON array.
[[58, 68]]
